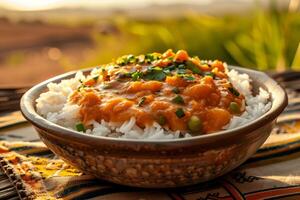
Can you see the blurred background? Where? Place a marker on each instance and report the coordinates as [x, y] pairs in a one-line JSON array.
[[40, 39]]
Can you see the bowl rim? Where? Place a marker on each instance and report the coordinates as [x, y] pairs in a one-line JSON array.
[[279, 102]]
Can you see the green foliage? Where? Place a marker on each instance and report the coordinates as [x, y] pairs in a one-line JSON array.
[[264, 40]]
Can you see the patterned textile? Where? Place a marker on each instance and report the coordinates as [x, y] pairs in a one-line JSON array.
[[272, 172]]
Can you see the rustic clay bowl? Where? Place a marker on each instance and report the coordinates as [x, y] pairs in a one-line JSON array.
[[157, 163]]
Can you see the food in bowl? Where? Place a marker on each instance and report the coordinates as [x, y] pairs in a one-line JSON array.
[[154, 96]]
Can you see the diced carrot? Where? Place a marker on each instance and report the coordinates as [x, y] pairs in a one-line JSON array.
[[159, 105], [176, 81], [121, 106], [90, 82], [153, 86], [199, 91], [181, 56], [168, 53], [218, 64], [214, 99], [75, 97], [216, 118], [90, 99], [135, 86]]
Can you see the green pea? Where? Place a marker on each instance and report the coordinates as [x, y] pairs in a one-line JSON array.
[[195, 123], [161, 120], [178, 99], [80, 127], [234, 107]]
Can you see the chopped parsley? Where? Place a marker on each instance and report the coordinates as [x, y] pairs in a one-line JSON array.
[[179, 113], [155, 73], [178, 99], [142, 101], [136, 75], [234, 91], [176, 90], [95, 78]]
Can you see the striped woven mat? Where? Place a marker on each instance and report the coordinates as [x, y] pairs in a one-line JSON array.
[[31, 171]]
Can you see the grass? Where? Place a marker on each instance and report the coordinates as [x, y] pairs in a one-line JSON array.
[[261, 40]]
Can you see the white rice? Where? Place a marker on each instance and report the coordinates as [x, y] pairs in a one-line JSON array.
[[54, 106]]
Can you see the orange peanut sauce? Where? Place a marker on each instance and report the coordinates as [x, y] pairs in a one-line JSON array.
[[172, 89]]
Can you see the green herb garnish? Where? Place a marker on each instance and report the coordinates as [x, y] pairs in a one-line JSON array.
[[181, 71], [155, 73], [179, 113], [80, 127], [181, 66], [131, 59], [178, 99], [142, 101], [161, 120], [191, 66], [95, 78], [176, 90], [149, 58], [209, 74], [188, 78], [136, 76], [234, 91]]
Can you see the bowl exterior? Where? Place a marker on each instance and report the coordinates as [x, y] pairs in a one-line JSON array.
[[150, 168]]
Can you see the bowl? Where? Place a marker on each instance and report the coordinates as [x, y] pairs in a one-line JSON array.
[[158, 163]]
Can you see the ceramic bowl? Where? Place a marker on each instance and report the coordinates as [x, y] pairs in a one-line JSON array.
[[157, 163]]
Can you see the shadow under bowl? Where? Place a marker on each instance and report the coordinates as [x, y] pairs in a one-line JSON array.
[[158, 163]]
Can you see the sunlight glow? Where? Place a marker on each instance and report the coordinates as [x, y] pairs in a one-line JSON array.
[[30, 4]]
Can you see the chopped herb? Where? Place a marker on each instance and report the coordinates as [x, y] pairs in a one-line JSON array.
[[179, 113], [176, 90], [191, 66], [142, 101], [149, 58], [181, 66], [121, 61], [181, 71], [170, 58], [188, 78], [161, 120], [155, 73], [178, 99], [167, 71], [136, 75], [172, 67], [209, 74], [131, 59], [156, 68], [234, 91], [80, 127], [95, 78]]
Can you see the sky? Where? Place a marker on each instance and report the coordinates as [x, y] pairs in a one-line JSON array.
[[31, 5]]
